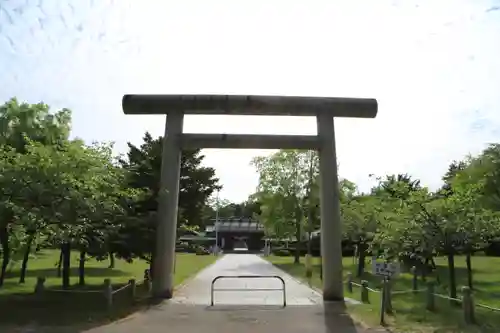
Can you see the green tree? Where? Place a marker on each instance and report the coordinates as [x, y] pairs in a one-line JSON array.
[[197, 183], [361, 218], [484, 169], [476, 225], [19, 124], [70, 197], [284, 186], [248, 208], [432, 224], [143, 165], [101, 202], [449, 177], [403, 234]]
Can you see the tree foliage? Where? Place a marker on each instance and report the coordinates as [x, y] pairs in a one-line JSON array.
[[61, 193], [399, 219], [197, 184], [287, 190]]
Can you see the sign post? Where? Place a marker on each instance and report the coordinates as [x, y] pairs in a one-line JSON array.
[[386, 271]]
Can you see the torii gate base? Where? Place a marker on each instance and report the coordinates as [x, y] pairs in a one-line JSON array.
[[176, 106]]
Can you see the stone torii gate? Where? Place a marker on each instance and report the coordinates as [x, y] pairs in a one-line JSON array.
[[323, 108]]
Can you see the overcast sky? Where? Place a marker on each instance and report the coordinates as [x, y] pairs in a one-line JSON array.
[[434, 67]]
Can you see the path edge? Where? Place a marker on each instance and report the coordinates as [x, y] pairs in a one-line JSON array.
[[176, 289], [190, 279]]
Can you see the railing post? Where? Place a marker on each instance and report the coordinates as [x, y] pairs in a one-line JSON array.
[[431, 302], [349, 282], [414, 279], [108, 293], [468, 305], [284, 290], [388, 295], [40, 285], [383, 299], [364, 292], [212, 290], [133, 287]]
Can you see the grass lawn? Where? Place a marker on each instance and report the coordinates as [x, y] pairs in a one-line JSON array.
[[18, 305], [409, 309], [44, 264]]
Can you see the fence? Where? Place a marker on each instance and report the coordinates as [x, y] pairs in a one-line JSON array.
[[467, 300], [110, 296], [282, 289]]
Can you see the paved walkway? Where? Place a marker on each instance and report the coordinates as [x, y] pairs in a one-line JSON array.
[[240, 311], [197, 291]]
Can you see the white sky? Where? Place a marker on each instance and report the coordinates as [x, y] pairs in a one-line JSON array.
[[434, 67]]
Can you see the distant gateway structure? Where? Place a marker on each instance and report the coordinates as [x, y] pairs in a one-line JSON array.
[[228, 231], [323, 108]]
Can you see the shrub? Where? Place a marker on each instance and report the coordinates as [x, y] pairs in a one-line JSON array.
[[184, 247], [201, 251], [493, 250]]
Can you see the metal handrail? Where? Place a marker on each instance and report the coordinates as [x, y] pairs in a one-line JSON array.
[[212, 289]]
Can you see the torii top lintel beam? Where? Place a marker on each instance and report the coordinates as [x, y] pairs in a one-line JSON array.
[[250, 105]]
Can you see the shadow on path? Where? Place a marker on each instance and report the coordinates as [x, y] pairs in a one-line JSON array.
[[182, 318]]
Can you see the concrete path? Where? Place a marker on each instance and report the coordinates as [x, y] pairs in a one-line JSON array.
[[197, 291], [240, 311]]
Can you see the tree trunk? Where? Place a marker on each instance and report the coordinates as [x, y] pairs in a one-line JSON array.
[[59, 263], [26, 257], [309, 206], [66, 264], [151, 270], [433, 263], [298, 230], [4, 240], [434, 267], [310, 228], [468, 261], [361, 259], [426, 269], [151, 263], [81, 269], [309, 245], [111, 256], [296, 259], [451, 270]]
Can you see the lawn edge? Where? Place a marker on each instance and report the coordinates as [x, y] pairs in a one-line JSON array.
[[187, 281]]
